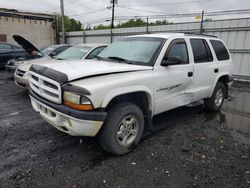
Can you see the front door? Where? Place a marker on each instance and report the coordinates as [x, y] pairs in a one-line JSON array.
[[174, 83]]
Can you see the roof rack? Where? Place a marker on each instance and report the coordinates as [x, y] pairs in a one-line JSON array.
[[198, 34]]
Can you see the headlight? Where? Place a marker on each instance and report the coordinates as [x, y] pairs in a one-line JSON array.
[[77, 101], [11, 62], [17, 63]]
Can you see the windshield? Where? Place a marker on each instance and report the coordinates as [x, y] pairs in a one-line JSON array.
[[75, 52], [135, 50], [48, 50]]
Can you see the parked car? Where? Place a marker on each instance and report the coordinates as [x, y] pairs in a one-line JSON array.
[[9, 51], [47, 52], [134, 79], [80, 51]]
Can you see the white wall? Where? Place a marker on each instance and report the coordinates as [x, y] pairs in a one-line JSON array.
[[40, 33]]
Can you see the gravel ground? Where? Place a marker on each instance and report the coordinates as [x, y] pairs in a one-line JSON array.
[[195, 149]]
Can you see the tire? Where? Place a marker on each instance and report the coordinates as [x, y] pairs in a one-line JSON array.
[[215, 102], [117, 128]]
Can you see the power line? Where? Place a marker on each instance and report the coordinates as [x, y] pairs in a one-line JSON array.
[[66, 7], [91, 12], [148, 11], [173, 3], [182, 15], [77, 2]]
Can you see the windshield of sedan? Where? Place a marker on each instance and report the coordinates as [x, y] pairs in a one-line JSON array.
[[135, 50], [75, 52]]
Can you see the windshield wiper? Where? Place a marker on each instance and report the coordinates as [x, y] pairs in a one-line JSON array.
[[99, 58], [120, 59], [58, 58]]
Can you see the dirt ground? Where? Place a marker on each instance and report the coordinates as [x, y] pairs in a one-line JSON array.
[[195, 148]]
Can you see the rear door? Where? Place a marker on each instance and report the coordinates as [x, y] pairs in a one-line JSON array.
[[174, 83], [224, 62], [204, 68]]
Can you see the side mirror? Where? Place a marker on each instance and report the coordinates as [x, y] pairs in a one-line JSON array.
[[172, 60]]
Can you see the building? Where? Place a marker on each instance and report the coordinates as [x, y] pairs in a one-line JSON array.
[[38, 28]]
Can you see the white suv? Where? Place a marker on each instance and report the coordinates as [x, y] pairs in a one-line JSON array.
[[116, 95]]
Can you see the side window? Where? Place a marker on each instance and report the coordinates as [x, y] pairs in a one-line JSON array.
[[95, 52], [201, 51], [220, 50], [60, 49], [15, 47], [178, 49], [5, 46]]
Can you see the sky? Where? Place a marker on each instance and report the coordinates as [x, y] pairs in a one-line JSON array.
[[88, 11]]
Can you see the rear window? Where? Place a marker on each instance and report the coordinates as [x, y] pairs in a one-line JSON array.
[[201, 51], [220, 50]]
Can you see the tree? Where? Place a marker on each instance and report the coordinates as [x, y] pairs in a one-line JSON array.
[[70, 24], [133, 23]]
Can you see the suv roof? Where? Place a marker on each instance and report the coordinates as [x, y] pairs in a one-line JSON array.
[[167, 35]]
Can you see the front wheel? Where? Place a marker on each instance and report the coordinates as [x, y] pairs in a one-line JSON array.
[[123, 128], [215, 102]]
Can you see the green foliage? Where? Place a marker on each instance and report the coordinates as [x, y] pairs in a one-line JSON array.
[[132, 23], [99, 27], [70, 24], [74, 25]]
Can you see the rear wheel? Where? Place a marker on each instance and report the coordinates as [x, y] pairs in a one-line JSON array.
[[215, 102], [123, 128]]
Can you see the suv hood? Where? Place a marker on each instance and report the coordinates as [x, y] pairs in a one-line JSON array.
[[28, 46], [73, 70]]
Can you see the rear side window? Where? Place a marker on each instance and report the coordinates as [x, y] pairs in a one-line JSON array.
[[220, 50], [201, 51]]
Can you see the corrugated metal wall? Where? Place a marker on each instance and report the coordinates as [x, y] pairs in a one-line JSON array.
[[234, 32]]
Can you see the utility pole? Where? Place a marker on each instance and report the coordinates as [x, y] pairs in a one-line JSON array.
[[202, 21], [113, 14], [112, 19], [147, 32], [62, 16]]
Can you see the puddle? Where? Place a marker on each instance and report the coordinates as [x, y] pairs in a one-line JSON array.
[[235, 114]]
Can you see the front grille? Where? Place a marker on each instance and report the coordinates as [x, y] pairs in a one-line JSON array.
[[20, 72], [45, 87]]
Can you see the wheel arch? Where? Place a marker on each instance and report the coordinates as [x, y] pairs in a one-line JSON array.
[[225, 79], [141, 96]]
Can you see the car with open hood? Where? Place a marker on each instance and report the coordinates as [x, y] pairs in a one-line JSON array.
[[116, 96], [34, 53], [76, 52], [9, 51]]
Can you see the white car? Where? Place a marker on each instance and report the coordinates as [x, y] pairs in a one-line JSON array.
[[116, 96], [80, 51]]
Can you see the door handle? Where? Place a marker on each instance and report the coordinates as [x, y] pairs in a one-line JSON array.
[[216, 70], [190, 74]]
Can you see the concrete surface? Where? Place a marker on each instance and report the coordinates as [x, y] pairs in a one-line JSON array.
[[195, 149]]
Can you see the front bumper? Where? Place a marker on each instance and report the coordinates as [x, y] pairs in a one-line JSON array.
[[67, 120], [10, 69]]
